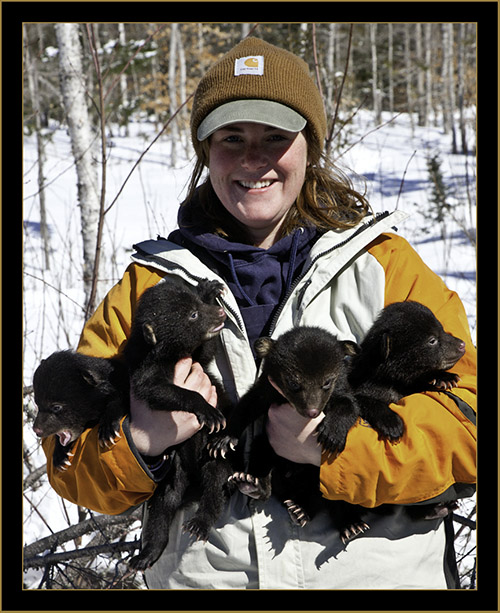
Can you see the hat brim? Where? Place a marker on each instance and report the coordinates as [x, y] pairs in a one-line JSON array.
[[267, 112]]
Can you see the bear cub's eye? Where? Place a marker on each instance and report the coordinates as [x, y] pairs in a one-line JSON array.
[[432, 341], [294, 386], [327, 384], [194, 315], [56, 408]]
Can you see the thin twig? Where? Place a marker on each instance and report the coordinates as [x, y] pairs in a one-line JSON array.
[[57, 289], [139, 160], [34, 476], [335, 115], [464, 525], [316, 65], [382, 125], [35, 509], [403, 179], [350, 118], [252, 30], [102, 213]]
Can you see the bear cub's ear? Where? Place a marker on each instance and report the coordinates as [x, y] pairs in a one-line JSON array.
[[263, 346], [149, 334], [350, 347], [385, 346]]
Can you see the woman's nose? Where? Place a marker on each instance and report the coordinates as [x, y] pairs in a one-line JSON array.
[[254, 157]]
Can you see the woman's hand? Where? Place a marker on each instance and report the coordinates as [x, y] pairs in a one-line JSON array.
[[292, 436], [155, 431]]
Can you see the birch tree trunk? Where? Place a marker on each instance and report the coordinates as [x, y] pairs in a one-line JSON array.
[[82, 140], [390, 61], [428, 73], [33, 79], [172, 93], [409, 93], [422, 118], [377, 107], [122, 37], [448, 83], [330, 70], [183, 115], [461, 86]]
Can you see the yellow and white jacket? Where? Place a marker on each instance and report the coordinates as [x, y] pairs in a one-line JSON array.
[[349, 277]]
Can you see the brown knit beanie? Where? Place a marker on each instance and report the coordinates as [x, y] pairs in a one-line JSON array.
[[265, 72]]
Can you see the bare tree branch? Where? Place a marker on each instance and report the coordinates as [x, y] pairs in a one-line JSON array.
[[385, 123], [139, 160], [328, 143], [84, 527], [403, 179], [87, 552], [102, 116], [57, 289], [34, 476], [316, 64]]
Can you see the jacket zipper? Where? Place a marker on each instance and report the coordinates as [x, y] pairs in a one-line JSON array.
[[362, 228], [188, 274]]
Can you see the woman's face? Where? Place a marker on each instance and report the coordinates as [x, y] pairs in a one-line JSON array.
[[257, 172]]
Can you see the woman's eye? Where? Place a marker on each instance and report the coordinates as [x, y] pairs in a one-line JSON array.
[[233, 138], [277, 137]]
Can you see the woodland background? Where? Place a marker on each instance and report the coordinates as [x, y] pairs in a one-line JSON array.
[[99, 92]]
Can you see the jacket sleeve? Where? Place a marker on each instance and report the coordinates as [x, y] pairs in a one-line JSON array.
[[438, 448], [107, 480]]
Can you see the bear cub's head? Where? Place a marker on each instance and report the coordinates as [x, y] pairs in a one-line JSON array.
[[409, 341], [305, 364], [175, 318], [69, 390]]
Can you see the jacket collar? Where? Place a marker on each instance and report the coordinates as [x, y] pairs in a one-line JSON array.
[[331, 252]]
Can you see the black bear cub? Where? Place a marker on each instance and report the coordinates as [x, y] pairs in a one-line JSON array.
[[174, 320], [307, 368], [406, 351], [74, 392]]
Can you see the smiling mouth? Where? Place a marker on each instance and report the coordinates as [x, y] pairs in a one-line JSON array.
[[255, 184]]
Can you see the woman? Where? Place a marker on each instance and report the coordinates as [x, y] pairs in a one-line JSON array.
[[286, 234]]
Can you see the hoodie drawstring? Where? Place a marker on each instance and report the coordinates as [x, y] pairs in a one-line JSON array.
[[237, 281], [293, 257]]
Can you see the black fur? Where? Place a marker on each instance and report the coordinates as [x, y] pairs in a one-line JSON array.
[[405, 352], [74, 392], [309, 365], [173, 321]]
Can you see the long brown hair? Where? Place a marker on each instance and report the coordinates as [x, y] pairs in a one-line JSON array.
[[327, 199]]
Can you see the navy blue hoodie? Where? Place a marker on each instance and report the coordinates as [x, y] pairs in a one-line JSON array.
[[259, 278]]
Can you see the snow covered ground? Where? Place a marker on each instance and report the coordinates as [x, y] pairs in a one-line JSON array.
[[393, 160]]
